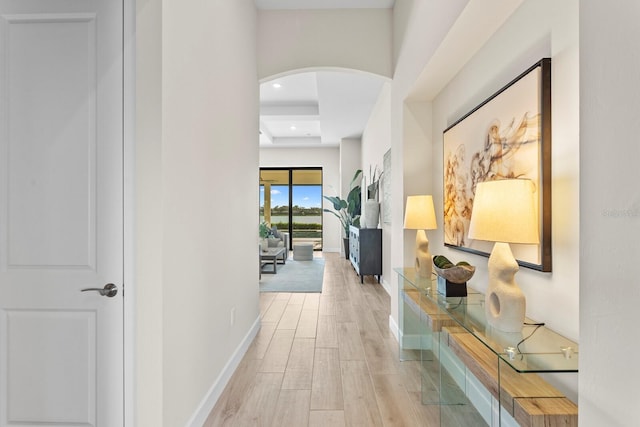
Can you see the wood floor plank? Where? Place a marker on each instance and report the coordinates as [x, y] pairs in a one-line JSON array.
[[327, 335], [327, 305], [229, 404], [292, 409], [326, 419], [344, 311], [297, 298], [308, 324], [377, 355], [259, 405], [275, 310], [410, 372], [277, 354], [360, 404], [330, 360], [355, 292], [372, 299], [290, 316], [265, 302], [382, 320], [311, 302], [364, 319], [283, 296], [261, 342], [427, 415], [299, 371], [394, 403], [349, 341], [326, 387], [331, 283]]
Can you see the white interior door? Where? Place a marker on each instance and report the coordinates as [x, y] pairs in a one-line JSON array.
[[61, 220]]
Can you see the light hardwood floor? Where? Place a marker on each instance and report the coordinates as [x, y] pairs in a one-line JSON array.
[[325, 360]]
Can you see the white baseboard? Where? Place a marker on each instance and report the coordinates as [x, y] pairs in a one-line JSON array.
[[386, 286], [414, 342], [209, 401], [393, 326], [331, 250]]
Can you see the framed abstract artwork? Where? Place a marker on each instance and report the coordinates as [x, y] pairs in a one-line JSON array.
[[507, 136], [386, 187]]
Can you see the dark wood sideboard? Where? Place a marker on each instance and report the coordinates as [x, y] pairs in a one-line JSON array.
[[365, 251]]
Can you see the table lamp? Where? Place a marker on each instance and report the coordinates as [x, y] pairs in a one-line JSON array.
[[420, 215], [504, 212]]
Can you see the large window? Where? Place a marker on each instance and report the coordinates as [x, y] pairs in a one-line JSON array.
[[291, 199]]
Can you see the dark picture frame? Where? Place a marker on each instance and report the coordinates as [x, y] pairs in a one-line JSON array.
[[506, 136], [386, 187]]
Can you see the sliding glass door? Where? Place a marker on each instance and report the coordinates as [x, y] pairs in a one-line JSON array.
[[291, 199], [274, 197]]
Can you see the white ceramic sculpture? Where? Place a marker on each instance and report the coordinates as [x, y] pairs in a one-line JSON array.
[[505, 304], [423, 257]]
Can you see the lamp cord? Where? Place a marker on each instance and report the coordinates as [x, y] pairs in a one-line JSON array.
[[537, 325]]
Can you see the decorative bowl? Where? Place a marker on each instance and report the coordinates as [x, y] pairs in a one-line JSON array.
[[457, 273]]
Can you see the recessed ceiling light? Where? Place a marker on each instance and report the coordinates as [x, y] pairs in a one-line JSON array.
[[276, 85], [292, 128]]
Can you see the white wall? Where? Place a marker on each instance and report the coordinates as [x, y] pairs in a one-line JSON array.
[[376, 140], [192, 190], [148, 221], [419, 29], [609, 213], [350, 150], [329, 160], [358, 39], [350, 162], [535, 30], [418, 176]]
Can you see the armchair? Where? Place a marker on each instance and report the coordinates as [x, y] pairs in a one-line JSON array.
[[279, 239]]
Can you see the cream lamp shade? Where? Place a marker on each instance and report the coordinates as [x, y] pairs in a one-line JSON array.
[[504, 212], [420, 215]]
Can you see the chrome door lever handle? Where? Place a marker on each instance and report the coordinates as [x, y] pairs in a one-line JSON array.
[[110, 290]]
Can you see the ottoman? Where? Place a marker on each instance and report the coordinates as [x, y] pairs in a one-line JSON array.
[[303, 251]]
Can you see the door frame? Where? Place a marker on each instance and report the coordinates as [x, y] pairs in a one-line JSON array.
[[128, 137]]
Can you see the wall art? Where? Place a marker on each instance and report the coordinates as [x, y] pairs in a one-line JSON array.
[[386, 187], [506, 136]]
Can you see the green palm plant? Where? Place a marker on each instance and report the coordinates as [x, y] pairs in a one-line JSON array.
[[264, 230], [348, 211]]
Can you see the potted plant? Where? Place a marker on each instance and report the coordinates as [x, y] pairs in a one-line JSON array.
[[348, 211], [264, 231], [372, 206]]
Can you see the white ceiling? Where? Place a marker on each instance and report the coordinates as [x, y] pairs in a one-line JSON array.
[[324, 4], [321, 108], [316, 108]]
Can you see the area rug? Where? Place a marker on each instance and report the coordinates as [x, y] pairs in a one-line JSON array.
[[295, 276]]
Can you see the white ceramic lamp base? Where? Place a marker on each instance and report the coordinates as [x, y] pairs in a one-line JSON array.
[[423, 257], [505, 304]]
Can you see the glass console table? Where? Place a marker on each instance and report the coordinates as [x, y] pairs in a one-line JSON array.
[[475, 374]]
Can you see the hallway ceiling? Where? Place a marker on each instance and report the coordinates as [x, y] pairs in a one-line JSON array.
[[324, 4], [317, 109]]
